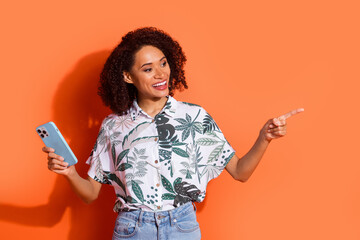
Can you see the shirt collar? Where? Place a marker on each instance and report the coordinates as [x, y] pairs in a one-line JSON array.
[[169, 108]]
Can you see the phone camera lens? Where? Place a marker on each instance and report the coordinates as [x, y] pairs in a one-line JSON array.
[[44, 132], [39, 131], [42, 135]]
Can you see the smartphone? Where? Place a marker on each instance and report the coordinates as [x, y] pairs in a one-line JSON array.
[[52, 137]]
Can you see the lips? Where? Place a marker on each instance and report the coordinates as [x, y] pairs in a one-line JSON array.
[[160, 85]]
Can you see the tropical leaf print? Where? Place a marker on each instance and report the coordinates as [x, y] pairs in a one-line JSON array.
[[209, 124], [177, 181], [198, 127], [180, 152], [187, 173], [134, 133], [164, 154], [137, 190], [212, 134], [129, 176], [139, 169], [215, 153], [122, 167], [188, 145], [142, 140], [168, 196], [166, 183], [113, 153], [178, 143], [110, 124], [185, 134], [114, 135], [195, 158], [206, 142], [114, 178], [188, 126], [124, 122], [187, 189], [110, 144], [229, 158], [101, 139], [130, 199], [191, 104], [185, 192], [211, 171], [99, 173], [121, 156]]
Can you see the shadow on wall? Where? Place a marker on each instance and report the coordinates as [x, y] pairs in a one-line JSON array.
[[78, 113]]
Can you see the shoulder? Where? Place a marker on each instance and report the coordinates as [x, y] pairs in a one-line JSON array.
[[110, 120], [191, 109], [186, 106]]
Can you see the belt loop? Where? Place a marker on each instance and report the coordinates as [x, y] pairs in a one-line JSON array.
[[140, 217], [194, 206], [171, 218]]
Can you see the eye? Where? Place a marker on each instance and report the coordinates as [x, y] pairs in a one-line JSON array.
[[164, 64], [147, 70]]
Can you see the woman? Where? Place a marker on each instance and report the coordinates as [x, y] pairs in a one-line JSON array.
[[157, 153]]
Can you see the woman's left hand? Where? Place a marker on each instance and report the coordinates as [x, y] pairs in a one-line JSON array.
[[276, 127]]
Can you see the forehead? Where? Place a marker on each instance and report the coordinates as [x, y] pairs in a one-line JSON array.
[[148, 54]]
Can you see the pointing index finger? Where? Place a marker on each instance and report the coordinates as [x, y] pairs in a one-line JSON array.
[[291, 113]]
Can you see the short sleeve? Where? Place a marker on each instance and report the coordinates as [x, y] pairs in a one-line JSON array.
[[100, 158], [216, 150]]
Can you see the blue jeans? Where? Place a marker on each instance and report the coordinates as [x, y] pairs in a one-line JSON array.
[[179, 223]]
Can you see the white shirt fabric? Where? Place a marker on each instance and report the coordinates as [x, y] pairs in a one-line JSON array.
[[159, 163]]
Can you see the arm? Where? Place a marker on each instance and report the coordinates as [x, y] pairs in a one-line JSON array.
[[86, 188], [241, 169]]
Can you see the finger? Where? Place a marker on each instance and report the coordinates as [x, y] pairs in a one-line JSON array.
[[280, 133], [291, 113], [48, 149], [54, 167], [279, 122], [275, 135], [277, 129], [53, 155], [58, 162]]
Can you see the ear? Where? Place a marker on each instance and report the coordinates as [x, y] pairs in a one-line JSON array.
[[127, 77]]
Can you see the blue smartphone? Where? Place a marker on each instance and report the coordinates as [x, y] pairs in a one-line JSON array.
[[52, 137]]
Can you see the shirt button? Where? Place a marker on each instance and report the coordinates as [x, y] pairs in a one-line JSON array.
[[156, 161], [158, 184], [153, 120], [158, 207], [155, 139]]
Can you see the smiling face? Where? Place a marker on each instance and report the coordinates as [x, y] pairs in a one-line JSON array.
[[150, 73]]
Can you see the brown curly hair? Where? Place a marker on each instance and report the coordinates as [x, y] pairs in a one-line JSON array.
[[119, 95]]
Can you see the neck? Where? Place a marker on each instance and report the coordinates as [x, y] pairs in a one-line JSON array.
[[152, 106]]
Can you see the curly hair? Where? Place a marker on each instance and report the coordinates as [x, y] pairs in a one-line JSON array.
[[119, 95]]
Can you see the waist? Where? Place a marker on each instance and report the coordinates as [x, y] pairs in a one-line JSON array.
[[147, 216]]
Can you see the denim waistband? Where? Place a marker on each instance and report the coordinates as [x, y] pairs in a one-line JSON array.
[[161, 216]]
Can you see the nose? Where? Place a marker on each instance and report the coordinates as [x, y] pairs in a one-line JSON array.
[[159, 73]]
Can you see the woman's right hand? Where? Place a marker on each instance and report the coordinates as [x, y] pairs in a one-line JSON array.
[[56, 162]]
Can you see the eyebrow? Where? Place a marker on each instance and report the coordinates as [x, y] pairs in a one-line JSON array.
[[151, 63]]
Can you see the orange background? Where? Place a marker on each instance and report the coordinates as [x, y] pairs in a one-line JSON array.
[[248, 61]]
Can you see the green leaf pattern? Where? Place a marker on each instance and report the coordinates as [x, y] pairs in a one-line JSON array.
[[147, 171]]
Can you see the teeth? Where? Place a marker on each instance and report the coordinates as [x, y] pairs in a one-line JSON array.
[[159, 84]]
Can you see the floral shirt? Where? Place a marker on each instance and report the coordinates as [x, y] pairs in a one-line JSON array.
[[159, 163]]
